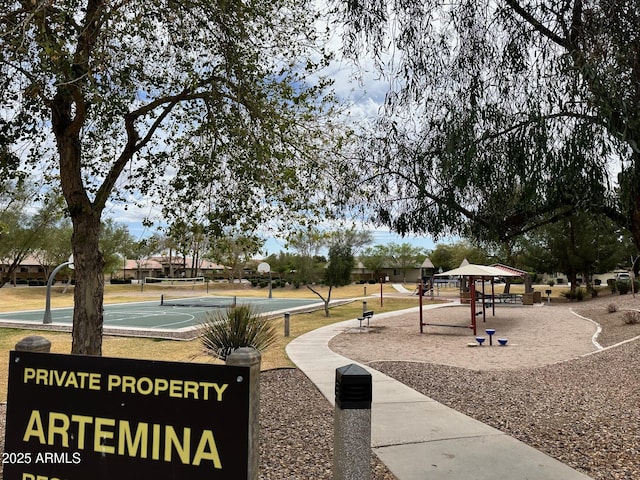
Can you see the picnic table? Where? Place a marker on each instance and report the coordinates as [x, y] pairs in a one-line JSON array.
[[511, 298]]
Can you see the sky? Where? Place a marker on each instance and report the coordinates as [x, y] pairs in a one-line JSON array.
[[365, 94], [362, 88]]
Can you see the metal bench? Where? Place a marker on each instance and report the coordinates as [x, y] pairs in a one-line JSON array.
[[365, 316]]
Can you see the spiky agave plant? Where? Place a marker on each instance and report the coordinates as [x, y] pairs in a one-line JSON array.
[[224, 331]]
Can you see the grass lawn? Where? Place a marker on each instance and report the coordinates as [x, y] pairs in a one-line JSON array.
[[26, 298]]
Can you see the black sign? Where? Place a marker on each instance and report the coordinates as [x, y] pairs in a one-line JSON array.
[[76, 417]]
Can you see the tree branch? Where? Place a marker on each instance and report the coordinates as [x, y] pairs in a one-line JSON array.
[[536, 24]]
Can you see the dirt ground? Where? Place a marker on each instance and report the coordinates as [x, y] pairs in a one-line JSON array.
[[536, 335]]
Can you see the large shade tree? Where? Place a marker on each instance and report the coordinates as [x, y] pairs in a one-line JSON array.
[[502, 115], [185, 101]]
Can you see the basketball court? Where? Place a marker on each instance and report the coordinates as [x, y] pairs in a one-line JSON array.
[[157, 316]]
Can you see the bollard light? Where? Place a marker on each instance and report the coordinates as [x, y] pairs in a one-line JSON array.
[[287, 316]]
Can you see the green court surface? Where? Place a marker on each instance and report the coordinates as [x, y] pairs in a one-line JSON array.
[[151, 315]]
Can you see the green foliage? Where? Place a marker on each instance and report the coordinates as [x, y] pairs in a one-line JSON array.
[[341, 263], [216, 110], [116, 243], [579, 244], [623, 286], [450, 256], [375, 259], [224, 331], [576, 294], [505, 116]]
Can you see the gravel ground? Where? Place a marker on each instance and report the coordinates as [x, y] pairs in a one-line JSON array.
[[583, 412], [296, 430]]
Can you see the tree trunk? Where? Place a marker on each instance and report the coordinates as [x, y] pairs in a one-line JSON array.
[[89, 290], [85, 217]]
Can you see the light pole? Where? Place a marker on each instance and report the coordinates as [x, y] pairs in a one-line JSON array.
[[52, 277]]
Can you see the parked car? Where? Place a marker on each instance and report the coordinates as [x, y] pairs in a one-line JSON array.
[[623, 277]]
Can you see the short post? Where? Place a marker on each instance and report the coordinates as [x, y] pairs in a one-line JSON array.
[[287, 316], [250, 357], [364, 306], [34, 343], [352, 424]]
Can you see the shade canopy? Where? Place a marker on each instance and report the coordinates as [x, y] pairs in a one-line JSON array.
[[471, 270]]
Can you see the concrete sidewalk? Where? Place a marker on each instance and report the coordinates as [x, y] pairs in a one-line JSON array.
[[418, 438]]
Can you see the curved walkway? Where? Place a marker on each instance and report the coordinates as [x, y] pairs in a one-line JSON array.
[[418, 438]]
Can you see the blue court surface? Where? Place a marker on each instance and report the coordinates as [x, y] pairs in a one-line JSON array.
[[153, 316]]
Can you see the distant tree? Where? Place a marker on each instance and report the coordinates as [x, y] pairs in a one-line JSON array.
[[212, 104], [357, 239], [116, 245], [338, 271], [308, 243], [283, 265], [375, 258], [143, 249], [580, 245], [23, 231], [234, 253], [405, 257], [54, 246], [450, 256]]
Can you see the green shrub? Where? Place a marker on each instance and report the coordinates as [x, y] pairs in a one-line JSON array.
[[224, 331], [580, 294], [569, 295], [551, 283], [611, 283], [623, 287]]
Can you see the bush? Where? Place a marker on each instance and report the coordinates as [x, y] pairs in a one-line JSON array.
[[623, 287], [612, 308], [611, 283], [551, 283], [227, 330], [631, 317], [569, 295]]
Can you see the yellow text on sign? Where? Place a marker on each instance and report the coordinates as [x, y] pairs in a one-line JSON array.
[[174, 388]]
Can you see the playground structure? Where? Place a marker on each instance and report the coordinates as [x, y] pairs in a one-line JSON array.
[[470, 273]]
